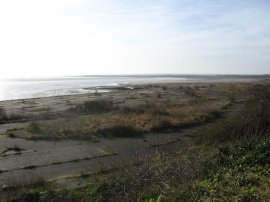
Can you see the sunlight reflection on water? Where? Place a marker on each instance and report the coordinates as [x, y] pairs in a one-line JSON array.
[[21, 89]]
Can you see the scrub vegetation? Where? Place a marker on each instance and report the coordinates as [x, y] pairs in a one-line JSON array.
[[8, 117], [229, 161], [101, 118]]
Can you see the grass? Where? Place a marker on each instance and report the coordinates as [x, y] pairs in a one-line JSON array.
[[78, 129], [124, 122], [3, 114], [239, 174], [179, 106], [136, 181], [229, 162], [252, 122], [8, 117], [94, 107], [114, 125], [89, 193]]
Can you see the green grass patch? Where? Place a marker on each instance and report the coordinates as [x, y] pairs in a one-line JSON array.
[[240, 174]]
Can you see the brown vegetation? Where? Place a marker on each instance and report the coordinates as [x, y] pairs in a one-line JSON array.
[[8, 117], [252, 122], [198, 105], [94, 106], [230, 161]]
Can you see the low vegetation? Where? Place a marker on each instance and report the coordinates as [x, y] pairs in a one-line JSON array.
[[240, 173], [94, 107], [179, 107], [77, 129], [125, 121], [228, 162], [8, 117], [252, 122], [3, 114], [115, 124]]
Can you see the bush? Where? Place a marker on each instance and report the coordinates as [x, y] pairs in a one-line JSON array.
[[38, 130], [190, 92], [102, 191], [119, 131], [34, 127], [135, 110], [3, 114], [5, 117], [163, 126], [31, 196], [252, 122], [238, 174], [95, 106]]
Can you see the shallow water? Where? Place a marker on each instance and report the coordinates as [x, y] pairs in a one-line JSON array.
[[46, 87]]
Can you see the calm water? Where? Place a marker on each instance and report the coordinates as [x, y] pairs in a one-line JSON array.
[[21, 89]]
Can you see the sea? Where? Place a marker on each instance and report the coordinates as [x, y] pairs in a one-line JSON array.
[[12, 89]]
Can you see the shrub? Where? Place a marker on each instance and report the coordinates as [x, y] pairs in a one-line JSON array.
[[36, 130], [95, 106], [3, 115], [34, 127], [238, 174], [163, 125], [190, 92], [252, 122], [119, 131], [135, 110], [31, 196]]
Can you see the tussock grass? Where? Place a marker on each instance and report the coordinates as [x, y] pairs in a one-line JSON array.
[[173, 111], [125, 122], [8, 117], [77, 129], [94, 106], [68, 128], [3, 114]]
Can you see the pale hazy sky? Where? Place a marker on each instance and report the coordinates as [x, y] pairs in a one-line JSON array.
[[78, 37]]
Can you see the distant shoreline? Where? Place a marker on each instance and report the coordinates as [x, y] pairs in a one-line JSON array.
[[188, 76], [107, 87]]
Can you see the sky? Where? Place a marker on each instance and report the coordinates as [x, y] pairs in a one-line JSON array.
[[90, 37]]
